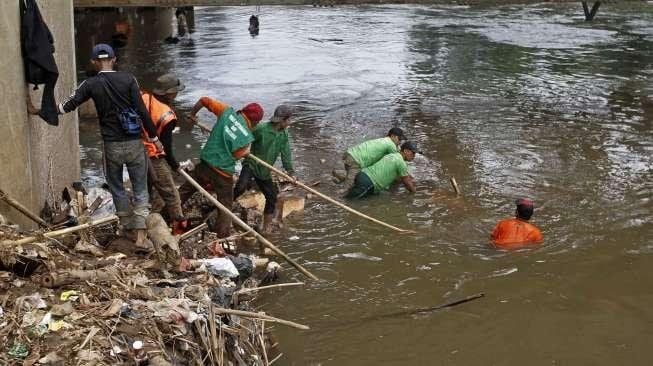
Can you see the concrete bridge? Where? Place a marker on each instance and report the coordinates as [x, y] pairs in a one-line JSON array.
[[178, 3]]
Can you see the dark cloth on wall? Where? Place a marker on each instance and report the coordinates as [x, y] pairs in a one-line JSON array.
[[37, 45]]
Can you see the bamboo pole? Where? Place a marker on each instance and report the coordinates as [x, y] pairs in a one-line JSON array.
[[22, 209], [325, 197], [68, 230], [193, 231], [252, 289], [267, 318], [454, 184], [245, 226]]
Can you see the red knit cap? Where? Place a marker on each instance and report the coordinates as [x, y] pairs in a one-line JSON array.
[[253, 112]]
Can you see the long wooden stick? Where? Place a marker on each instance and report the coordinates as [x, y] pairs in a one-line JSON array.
[[193, 231], [251, 289], [309, 189], [245, 226], [68, 230], [254, 315], [425, 310], [22, 209], [454, 184], [325, 197]]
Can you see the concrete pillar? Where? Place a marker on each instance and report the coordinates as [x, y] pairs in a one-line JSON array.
[[36, 159]]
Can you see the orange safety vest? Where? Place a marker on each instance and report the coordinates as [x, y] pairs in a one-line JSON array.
[[161, 115]]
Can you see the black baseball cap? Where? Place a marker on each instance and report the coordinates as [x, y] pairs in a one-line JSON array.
[[102, 51], [409, 145], [397, 132]]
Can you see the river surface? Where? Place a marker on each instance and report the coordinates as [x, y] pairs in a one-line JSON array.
[[512, 101]]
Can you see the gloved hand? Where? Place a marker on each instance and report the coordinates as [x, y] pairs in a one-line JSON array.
[[186, 165]]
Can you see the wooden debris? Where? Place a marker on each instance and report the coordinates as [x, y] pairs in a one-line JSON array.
[[288, 203], [22, 209], [98, 301]]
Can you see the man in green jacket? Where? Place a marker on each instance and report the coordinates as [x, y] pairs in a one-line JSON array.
[[271, 140], [367, 153], [229, 141], [379, 176]]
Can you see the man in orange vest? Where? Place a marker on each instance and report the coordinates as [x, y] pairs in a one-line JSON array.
[[162, 163], [517, 233]]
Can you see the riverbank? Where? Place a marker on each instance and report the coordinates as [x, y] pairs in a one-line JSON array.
[[76, 294]]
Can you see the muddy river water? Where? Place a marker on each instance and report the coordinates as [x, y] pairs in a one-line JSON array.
[[512, 101]]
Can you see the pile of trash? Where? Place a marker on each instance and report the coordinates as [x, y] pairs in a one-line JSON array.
[[80, 295]]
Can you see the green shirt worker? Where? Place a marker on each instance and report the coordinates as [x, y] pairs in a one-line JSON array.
[[271, 140], [369, 152], [378, 177], [229, 141]]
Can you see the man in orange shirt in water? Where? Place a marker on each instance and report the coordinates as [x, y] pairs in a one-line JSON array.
[[517, 233]]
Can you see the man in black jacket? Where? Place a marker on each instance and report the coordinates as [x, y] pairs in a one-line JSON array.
[[114, 92]]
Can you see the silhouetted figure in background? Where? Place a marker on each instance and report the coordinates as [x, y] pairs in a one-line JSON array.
[[182, 27], [253, 25]]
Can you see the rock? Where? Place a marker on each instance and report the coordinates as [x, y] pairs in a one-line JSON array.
[[52, 359], [63, 309]]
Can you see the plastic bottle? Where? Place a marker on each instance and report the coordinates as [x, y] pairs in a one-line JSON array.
[[140, 356]]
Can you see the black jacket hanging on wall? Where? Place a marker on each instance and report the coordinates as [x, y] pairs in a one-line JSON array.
[[37, 45]]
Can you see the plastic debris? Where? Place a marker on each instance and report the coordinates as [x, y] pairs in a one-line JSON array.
[[39, 330], [57, 325], [18, 283], [243, 264], [106, 207], [71, 295], [33, 301], [31, 318], [221, 267], [62, 322], [115, 351], [18, 350], [140, 356]]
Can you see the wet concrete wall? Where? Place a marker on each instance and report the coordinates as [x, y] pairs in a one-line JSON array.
[[35, 158]]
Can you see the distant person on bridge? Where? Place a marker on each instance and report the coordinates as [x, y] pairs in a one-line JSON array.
[[163, 163], [229, 141], [517, 232], [271, 140], [367, 153], [379, 176], [123, 117]]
